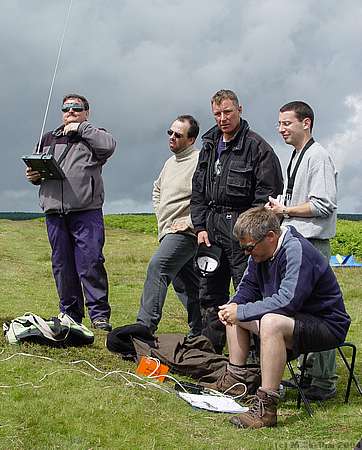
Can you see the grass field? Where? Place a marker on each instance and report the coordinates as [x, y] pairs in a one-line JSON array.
[[49, 403]]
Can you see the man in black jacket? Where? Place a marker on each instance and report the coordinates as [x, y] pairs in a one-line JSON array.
[[237, 170]]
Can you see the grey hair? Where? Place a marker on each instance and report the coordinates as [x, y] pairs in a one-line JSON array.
[[256, 223], [225, 94]]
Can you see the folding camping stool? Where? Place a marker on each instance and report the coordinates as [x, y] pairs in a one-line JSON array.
[[351, 377]]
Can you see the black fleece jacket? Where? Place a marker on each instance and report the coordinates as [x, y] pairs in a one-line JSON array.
[[248, 172]]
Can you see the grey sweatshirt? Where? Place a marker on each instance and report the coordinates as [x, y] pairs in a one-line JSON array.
[[82, 189], [316, 182], [172, 191]]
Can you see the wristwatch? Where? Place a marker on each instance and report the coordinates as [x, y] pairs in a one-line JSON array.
[[285, 213]]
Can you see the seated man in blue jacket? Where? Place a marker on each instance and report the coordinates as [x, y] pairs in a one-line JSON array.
[[290, 297]]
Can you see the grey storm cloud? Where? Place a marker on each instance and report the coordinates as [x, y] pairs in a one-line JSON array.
[[141, 63]]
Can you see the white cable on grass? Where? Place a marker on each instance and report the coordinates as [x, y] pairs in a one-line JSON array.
[[26, 354], [10, 386], [158, 364], [237, 384], [145, 381], [89, 364], [121, 373]]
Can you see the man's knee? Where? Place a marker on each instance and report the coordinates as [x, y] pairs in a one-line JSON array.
[[252, 326], [158, 265], [271, 324]]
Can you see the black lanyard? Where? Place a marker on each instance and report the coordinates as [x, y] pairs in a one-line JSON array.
[[291, 178]]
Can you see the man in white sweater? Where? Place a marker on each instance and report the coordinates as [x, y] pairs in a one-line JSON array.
[[310, 204], [173, 260]]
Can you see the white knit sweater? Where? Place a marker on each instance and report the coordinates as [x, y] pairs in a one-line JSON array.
[[172, 191]]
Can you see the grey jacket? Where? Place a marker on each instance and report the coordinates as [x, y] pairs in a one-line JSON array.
[[82, 189]]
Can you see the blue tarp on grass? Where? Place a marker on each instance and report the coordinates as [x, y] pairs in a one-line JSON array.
[[344, 261]]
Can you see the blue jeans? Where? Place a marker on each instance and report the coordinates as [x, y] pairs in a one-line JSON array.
[[172, 263]]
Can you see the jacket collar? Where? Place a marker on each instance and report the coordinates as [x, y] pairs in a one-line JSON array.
[[214, 134], [284, 231]]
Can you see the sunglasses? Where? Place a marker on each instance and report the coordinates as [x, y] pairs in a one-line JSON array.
[[76, 107], [250, 247], [177, 135]]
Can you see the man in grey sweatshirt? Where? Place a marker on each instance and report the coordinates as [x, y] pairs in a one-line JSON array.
[[173, 260], [310, 204], [73, 210]]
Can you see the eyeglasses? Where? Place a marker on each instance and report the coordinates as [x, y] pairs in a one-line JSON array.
[[250, 247], [76, 107], [177, 135]]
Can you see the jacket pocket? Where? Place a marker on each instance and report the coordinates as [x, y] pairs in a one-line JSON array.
[[239, 180], [50, 196], [78, 193]]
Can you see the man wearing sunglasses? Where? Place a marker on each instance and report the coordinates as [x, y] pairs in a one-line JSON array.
[[73, 209], [237, 169], [290, 297], [173, 260]]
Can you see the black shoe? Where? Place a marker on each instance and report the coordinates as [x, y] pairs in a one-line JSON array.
[[102, 324], [317, 393], [291, 384]]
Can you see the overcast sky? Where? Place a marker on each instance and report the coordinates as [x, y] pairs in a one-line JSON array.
[[141, 63]]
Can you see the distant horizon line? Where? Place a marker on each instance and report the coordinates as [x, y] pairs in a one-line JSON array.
[[3, 214]]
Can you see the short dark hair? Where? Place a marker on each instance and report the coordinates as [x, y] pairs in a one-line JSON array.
[[256, 223], [301, 109], [194, 129], [225, 94], [81, 97]]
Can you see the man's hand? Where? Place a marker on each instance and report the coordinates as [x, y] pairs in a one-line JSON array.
[[71, 128], [228, 313], [32, 175], [275, 205], [202, 236], [179, 225]]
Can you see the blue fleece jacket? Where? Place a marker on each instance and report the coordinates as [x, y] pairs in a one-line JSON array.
[[297, 279]]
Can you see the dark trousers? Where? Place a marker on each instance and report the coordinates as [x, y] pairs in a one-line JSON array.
[[215, 290], [172, 263], [77, 241], [321, 366]]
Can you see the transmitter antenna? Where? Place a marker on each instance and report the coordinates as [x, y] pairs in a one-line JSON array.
[[54, 74]]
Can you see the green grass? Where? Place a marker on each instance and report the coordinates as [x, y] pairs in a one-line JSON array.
[[348, 240], [74, 408]]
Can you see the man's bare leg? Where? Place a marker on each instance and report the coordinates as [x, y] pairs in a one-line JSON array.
[[237, 378], [238, 338], [276, 335]]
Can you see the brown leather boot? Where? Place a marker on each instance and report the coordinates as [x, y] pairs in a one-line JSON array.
[[237, 383], [262, 412], [230, 384]]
